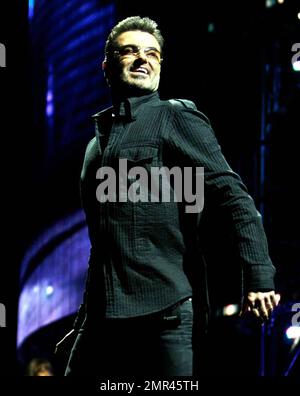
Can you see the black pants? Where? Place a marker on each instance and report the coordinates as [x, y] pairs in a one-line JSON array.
[[158, 345]]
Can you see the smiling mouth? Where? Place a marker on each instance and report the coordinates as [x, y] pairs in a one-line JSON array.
[[140, 70]]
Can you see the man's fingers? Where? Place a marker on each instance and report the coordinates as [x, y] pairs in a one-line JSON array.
[[264, 310], [256, 312], [275, 298], [247, 307], [266, 305], [261, 304]]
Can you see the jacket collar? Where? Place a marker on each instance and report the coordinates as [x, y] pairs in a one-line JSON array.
[[129, 107]]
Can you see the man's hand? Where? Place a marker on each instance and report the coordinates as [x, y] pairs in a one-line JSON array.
[[260, 303]]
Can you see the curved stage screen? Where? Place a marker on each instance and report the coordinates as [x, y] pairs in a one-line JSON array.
[[53, 275]]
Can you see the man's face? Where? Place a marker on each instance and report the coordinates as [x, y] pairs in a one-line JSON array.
[[137, 63]]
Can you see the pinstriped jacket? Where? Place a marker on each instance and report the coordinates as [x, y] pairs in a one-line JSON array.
[[144, 255]]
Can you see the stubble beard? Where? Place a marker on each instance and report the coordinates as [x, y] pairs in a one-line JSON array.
[[139, 85]]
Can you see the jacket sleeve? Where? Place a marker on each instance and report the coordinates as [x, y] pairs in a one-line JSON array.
[[87, 194], [193, 142]]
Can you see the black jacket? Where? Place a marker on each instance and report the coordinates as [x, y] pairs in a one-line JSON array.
[[144, 254]]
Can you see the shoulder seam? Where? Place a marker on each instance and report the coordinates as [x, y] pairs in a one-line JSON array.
[[189, 105]]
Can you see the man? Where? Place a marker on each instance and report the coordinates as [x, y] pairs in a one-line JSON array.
[[137, 316]]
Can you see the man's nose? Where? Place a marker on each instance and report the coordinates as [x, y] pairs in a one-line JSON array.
[[141, 55]]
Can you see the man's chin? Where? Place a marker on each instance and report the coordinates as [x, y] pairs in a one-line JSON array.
[[137, 89]]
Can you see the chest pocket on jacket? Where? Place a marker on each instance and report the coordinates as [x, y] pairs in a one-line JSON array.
[[136, 174], [137, 163], [135, 171], [140, 156], [147, 213]]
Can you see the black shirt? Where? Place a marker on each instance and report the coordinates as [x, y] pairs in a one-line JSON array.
[[143, 253]]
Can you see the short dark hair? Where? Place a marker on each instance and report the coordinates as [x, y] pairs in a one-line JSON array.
[[129, 24]]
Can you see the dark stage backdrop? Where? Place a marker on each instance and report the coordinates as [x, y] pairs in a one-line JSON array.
[[232, 58]]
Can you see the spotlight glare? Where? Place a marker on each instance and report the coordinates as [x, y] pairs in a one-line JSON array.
[[30, 9], [293, 332], [230, 309], [296, 66], [270, 3], [49, 290]]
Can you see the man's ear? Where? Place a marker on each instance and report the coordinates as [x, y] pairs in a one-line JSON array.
[[104, 68], [105, 71]]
